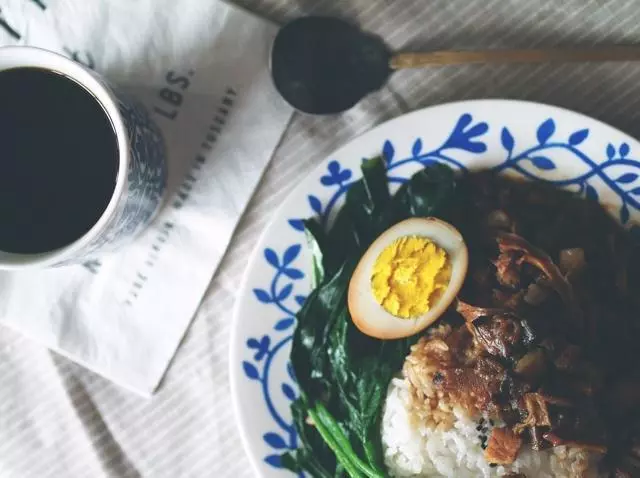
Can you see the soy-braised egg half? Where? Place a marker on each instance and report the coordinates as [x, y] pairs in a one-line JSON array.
[[407, 278]]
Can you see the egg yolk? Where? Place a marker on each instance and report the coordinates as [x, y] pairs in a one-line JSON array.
[[410, 275]]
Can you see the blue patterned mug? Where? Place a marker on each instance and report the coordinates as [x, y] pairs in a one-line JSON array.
[[136, 156]]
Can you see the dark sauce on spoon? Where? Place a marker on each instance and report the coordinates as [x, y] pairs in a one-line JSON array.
[[324, 65]]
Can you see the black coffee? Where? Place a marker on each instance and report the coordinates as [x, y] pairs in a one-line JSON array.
[[58, 160]]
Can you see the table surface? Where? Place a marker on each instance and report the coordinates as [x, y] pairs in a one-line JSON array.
[[57, 419]]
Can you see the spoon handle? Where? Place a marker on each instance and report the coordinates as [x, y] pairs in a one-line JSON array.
[[417, 60]]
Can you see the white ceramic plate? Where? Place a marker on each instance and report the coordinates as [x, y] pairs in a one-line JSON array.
[[537, 141]]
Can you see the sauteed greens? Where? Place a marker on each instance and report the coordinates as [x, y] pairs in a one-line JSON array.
[[343, 374]]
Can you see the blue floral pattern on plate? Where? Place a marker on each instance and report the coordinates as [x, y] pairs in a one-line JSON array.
[[616, 170]]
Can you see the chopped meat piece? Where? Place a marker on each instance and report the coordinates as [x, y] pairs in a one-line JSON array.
[[533, 365], [508, 270], [460, 340], [503, 446], [572, 260], [472, 387], [536, 294], [508, 242], [536, 410], [498, 331], [470, 313], [554, 399], [499, 334]]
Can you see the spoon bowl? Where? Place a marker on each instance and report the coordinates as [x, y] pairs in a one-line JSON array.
[[325, 65]]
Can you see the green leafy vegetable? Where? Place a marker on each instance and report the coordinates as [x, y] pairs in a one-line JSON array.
[[315, 239], [343, 374]]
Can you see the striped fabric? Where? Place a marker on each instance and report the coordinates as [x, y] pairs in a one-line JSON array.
[[58, 420]]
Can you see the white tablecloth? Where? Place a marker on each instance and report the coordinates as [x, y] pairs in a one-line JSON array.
[[59, 420]]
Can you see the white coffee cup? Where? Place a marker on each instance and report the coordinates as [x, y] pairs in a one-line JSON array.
[[141, 169]]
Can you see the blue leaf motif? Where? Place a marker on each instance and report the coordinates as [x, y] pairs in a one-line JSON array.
[[290, 372], [265, 341], [627, 178], [417, 147], [611, 151], [294, 274], [263, 296], [250, 371], [545, 131], [327, 180], [461, 139], [507, 140], [274, 460], [543, 163], [284, 324], [262, 348], [274, 441], [591, 193], [624, 150], [285, 292], [578, 137], [478, 130], [388, 151], [297, 224], [288, 392], [476, 147], [635, 191], [272, 257], [334, 176], [290, 254], [253, 344], [463, 122], [344, 175], [624, 214], [300, 300], [315, 204]]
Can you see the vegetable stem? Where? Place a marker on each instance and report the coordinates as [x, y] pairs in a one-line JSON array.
[[342, 442], [341, 455], [370, 453]]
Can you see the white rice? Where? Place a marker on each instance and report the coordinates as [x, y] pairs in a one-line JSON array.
[[420, 452]]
